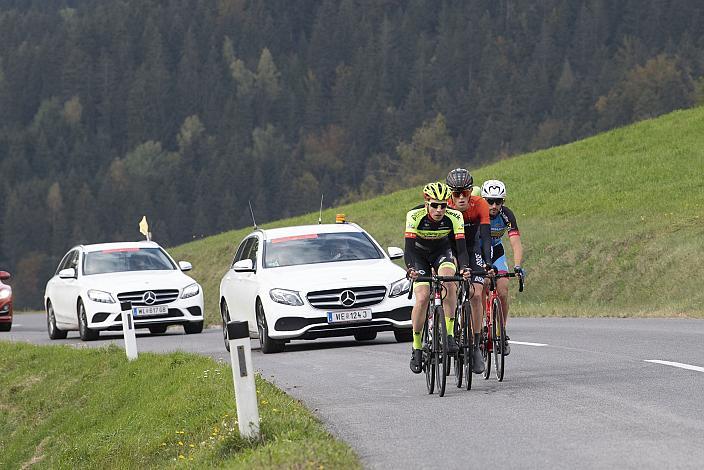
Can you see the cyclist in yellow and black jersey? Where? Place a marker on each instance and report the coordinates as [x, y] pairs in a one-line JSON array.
[[429, 231]]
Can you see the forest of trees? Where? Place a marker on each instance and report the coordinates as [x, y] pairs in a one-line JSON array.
[[185, 110]]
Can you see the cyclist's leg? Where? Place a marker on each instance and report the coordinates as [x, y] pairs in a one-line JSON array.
[[477, 299], [502, 283], [444, 265], [449, 303], [477, 303], [422, 293], [502, 290]]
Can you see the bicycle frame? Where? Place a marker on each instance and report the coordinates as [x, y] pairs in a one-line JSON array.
[[492, 329]]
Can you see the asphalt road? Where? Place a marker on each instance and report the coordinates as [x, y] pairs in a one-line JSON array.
[[586, 398]]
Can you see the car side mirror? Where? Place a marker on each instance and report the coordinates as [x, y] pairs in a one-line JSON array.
[[244, 266], [68, 273], [395, 252], [4, 275], [185, 265]]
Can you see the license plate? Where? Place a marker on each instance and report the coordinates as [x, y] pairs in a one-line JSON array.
[[350, 316], [147, 311]]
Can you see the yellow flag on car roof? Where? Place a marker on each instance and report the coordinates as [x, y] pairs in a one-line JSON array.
[[144, 227]]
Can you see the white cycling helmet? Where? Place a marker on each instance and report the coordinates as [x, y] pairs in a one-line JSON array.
[[493, 189]]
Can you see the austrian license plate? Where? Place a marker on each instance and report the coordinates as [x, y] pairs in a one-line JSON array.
[[147, 311], [350, 316]]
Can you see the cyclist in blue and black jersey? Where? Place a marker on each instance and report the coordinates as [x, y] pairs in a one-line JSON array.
[[430, 228], [503, 221]]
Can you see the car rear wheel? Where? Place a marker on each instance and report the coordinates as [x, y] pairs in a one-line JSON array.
[[158, 329], [87, 334], [54, 332], [225, 314], [404, 336], [366, 335], [268, 345], [193, 328]]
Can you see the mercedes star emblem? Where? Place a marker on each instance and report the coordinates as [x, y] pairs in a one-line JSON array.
[[149, 297], [347, 298]]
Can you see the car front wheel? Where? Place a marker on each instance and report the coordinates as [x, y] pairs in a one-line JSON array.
[[54, 332], [87, 334], [403, 336], [225, 314], [268, 345], [158, 329], [366, 335], [5, 326], [193, 328]]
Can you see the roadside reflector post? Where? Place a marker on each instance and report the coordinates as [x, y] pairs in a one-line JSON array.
[[128, 330], [243, 376]]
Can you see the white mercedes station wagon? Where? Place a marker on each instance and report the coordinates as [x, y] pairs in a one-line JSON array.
[[94, 282], [315, 281]]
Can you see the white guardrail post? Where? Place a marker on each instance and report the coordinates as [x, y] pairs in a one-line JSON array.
[[243, 376], [128, 330]]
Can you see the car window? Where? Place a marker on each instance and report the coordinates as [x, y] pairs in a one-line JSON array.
[[243, 250], [253, 251], [126, 259], [73, 261], [64, 261], [319, 248]]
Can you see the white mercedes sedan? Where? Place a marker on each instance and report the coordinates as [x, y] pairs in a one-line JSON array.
[[315, 281], [93, 284]]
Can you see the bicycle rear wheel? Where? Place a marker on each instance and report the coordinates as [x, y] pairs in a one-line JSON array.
[[498, 337], [442, 357]]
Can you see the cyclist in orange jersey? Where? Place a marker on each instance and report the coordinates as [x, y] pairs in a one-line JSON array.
[[475, 212]]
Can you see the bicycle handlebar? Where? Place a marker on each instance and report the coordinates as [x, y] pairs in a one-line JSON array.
[[433, 278], [521, 280]]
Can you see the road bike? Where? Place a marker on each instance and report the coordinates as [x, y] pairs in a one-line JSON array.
[[463, 335], [494, 334], [436, 359]]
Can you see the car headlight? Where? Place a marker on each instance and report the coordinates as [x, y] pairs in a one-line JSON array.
[[190, 290], [5, 294], [286, 297], [400, 287], [100, 296]]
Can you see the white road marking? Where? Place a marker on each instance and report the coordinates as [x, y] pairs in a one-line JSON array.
[[676, 364], [527, 344]]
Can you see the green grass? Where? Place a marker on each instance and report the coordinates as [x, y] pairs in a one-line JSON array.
[[611, 225], [70, 408]]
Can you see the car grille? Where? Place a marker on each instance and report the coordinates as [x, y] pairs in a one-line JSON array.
[[163, 296], [332, 298]]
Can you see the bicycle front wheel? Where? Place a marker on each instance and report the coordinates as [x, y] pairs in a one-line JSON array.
[[459, 357], [486, 345], [498, 337], [428, 366], [441, 355]]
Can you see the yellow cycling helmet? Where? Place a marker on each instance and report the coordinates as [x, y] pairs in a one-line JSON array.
[[438, 191]]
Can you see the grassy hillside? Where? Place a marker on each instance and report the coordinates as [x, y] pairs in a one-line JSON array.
[[64, 407], [611, 225]]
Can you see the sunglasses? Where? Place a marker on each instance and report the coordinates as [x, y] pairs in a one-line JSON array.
[[463, 193], [438, 205], [498, 202]]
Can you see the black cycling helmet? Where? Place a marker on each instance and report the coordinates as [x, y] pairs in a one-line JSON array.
[[459, 179]]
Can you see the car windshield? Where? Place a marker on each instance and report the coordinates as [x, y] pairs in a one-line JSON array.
[[319, 248], [126, 259]]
